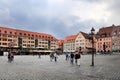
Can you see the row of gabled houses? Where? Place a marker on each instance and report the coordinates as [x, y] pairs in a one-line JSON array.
[[107, 39], [73, 43]]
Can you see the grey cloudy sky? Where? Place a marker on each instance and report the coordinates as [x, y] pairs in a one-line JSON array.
[[59, 18]]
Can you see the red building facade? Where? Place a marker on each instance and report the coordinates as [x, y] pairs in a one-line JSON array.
[[26, 39]]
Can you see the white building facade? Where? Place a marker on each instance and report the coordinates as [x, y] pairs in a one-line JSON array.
[[69, 44], [83, 42]]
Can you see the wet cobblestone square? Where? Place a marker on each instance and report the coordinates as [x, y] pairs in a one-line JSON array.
[[106, 67]]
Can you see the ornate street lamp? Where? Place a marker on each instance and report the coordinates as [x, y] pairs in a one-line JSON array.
[[92, 33], [91, 37]]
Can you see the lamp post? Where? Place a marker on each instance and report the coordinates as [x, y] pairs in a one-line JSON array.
[[91, 37]]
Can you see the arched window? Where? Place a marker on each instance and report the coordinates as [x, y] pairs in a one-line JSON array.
[[24, 34], [20, 34], [5, 32], [10, 32], [15, 33]]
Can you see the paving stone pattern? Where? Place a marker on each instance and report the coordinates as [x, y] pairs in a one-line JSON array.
[[107, 67]]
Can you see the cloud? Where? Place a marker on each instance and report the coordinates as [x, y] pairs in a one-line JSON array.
[[59, 17], [114, 10], [111, 10]]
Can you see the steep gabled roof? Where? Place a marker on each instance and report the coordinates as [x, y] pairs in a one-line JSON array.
[[70, 38], [85, 35], [106, 31], [60, 42]]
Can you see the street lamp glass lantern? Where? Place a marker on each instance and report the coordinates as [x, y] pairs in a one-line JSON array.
[[93, 30]]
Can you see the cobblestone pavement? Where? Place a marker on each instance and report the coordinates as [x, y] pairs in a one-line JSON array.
[[107, 67]]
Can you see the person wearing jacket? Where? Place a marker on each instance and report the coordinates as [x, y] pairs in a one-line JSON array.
[[78, 58], [71, 58], [55, 56]]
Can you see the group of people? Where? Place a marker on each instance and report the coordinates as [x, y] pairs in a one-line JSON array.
[[53, 56], [73, 57], [10, 56]]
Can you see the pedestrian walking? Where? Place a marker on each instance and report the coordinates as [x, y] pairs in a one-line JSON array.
[[10, 56], [67, 56], [78, 59], [55, 56], [39, 54], [71, 58], [51, 56]]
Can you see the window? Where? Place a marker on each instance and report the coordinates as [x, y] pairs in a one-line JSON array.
[[15, 36], [9, 39], [32, 38], [24, 44], [4, 43], [32, 35], [100, 39], [4, 35], [15, 33], [119, 32], [32, 41], [9, 35], [24, 34], [14, 40], [4, 39], [28, 45], [10, 32], [39, 36], [20, 34], [28, 34], [36, 35], [5, 31]]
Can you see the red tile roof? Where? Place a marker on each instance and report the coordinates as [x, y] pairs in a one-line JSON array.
[[23, 32], [70, 38], [84, 34], [106, 31]]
